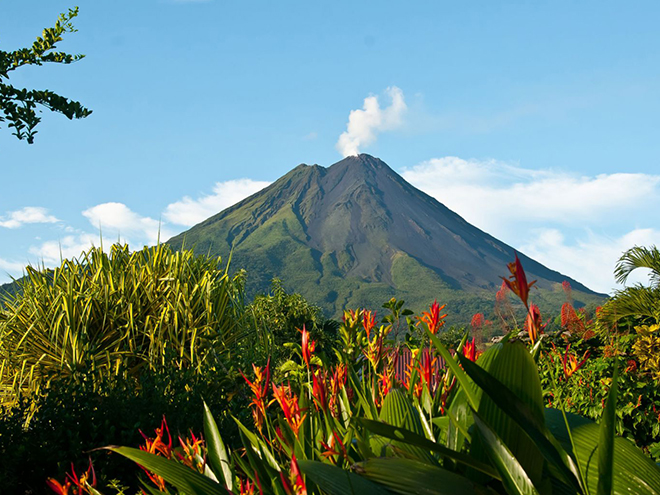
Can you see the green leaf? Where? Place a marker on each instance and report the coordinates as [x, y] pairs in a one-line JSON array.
[[525, 418], [606, 438], [466, 384], [514, 477], [409, 477], [336, 481], [181, 477], [217, 452], [406, 436], [633, 471]]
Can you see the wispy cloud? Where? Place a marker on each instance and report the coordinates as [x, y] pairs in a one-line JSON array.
[[188, 211], [29, 214], [117, 219], [550, 215], [365, 124], [52, 252]]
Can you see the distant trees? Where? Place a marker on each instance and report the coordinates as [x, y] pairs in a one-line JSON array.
[[18, 106]]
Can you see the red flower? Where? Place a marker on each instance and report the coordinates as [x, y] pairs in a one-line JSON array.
[[308, 346], [288, 401], [470, 350], [319, 391], [368, 322], [571, 363], [259, 388], [518, 283], [84, 483], [477, 321], [432, 318], [330, 451], [534, 323], [295, 485]]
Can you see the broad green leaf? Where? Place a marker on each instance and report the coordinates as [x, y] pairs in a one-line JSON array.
[[406, 436], [606, 440], [181, 477], [531, 424], [514, 477], [259, 445], [466, 384], [336, 481], [633, 471], [409, 477], [217, 452]]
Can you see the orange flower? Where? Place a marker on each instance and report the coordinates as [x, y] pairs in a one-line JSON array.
[[83, 484], [470, 350], [330, 451], [337, 382], [533, 323], [247, 487], [319, 391], [158, 447], [432, 318], [192, 453], [571, 363], [288, 402], [308, 346], [295, 485], [518, 283], [259, 388], [368, 322]]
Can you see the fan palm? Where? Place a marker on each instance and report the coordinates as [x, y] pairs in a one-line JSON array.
[[637, 301]]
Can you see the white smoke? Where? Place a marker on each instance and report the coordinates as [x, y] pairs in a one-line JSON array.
[[364, 125]]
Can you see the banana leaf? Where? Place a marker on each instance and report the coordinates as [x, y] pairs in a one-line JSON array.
[[219, 459], [336, 481]]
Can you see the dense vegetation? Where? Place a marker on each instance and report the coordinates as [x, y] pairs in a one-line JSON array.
[[100, 350]]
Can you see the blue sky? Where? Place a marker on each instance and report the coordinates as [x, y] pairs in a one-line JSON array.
[[536, 121]]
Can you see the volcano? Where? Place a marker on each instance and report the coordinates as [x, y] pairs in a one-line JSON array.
[[356, 234]]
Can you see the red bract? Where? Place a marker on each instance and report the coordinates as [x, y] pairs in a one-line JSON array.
[[247, 487], [470, 350], [432, 318], [368, 322], [571, 363], [477, 321], [288, 402], [158, 447], [192, 453], [337, 382], [83, 484], [319, 391], [534, 323], [259, 388], [518, 283], [308, 346], [329, 449], [295, 485]]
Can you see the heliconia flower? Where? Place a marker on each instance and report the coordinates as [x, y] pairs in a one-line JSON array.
[[534, 323], [477, 321], [192, 455], [259, 388], [295, 485], [351, 317], [368, 322], [500, 296], [83, 484], [330, 451], [374, 351], [247, 487], [428, 371], [385, 385], [308, 346], [518, 283], [433, 318], [470, 350], [337, 382], [319, 391], [157, 445], [571, 363], [288, 402]]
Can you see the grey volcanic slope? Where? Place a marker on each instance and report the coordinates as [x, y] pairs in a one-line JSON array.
[[356, 233]]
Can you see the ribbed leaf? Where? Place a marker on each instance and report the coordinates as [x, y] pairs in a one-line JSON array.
[[181, 477], [633, 471], [514, 477], [336, 481], [409, 477], [217, 453], [403, 435], [606, 440], [531, 423]]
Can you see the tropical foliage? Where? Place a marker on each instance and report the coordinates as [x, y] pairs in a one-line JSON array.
[[19, 106], [442, 423]]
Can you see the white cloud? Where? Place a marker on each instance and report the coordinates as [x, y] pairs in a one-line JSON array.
[[117, 219], [29, 214], [51, 253], [591, 259], [188, 211], [498, 197], [12, 268], [364, 125]]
